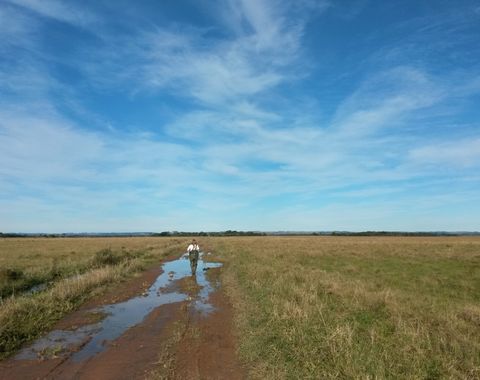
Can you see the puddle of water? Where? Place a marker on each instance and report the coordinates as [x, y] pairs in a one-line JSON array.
[[92, 339], [201, 303], [58, 342], [36, 289]]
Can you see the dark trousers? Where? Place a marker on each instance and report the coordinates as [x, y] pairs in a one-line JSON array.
[[193, 256]]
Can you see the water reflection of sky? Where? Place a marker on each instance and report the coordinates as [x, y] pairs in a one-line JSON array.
[[123, 315]]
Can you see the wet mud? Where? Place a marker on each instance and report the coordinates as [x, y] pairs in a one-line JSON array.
[[210, 351], [121, 339]]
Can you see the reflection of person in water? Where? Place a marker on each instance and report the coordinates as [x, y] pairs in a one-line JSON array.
[[193, 250]]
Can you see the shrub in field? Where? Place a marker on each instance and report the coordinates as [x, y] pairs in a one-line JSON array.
[[106, 257], [129, 255], [110, 257], [16, 281], [10, 274], [54, 271], [10, 280]]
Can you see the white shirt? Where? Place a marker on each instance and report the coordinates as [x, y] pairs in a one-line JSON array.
[[193, 247]]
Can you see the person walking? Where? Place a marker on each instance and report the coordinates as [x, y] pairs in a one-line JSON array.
[[193, 252]]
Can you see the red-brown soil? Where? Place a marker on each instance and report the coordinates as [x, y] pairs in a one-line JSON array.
[[207, 350], [173, 341]]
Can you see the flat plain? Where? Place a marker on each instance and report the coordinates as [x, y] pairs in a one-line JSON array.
[[304, 307], [356, 307]]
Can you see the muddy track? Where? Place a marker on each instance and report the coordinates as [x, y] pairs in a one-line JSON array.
[[162, 324]]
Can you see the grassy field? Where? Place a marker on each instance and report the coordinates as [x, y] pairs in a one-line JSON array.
[[72, 269], [306, 307], [355, 307]]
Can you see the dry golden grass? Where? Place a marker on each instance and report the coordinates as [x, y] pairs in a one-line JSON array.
[[355, 307], [33, 253]]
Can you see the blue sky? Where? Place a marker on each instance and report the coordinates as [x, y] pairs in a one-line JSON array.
[[239, 114]]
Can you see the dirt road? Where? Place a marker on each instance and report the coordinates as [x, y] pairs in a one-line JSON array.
[[163, 324]]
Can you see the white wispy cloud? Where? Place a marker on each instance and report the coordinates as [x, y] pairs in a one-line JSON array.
[[17, 29], [385, 99], [12, 23], [461, 153], [58, 10], [43, 145], [203, 64]]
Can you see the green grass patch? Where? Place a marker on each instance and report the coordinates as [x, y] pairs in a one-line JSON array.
[[336, 308]]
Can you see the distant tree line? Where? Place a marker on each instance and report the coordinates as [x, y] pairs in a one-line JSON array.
[[23, 235], [238, 233], [2, 235], [396, 233], [221, 233]]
